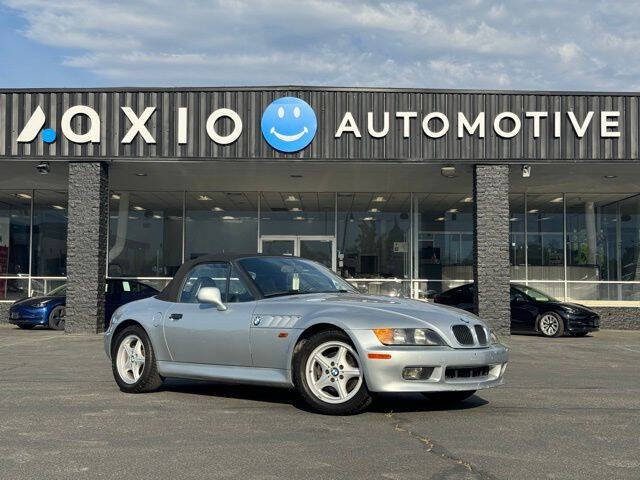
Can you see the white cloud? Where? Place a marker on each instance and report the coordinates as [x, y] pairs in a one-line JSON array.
[[466, 44]]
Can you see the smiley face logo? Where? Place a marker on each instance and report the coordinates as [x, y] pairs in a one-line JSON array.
[[289, 124]]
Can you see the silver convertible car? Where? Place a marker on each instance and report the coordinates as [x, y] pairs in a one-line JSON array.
[[285, 321]]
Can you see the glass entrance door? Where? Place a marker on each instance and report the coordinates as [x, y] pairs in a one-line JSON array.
[[319, 248]]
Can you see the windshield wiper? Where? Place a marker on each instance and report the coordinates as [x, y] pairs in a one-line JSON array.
[[283, 293]]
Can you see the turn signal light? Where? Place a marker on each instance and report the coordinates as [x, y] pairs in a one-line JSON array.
[[379, 356]]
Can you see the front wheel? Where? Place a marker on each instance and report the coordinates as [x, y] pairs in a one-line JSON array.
[[56, 318], [551, 325], [328, 374], [448, 398], [133, 361]]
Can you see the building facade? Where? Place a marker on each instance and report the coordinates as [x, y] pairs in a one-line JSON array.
[[403, 192]]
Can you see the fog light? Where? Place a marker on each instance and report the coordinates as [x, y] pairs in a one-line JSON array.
[[417, 373]]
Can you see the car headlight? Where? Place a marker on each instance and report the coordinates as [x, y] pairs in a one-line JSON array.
[[408, 336], [494, 338], [571, 311], [42, 303]]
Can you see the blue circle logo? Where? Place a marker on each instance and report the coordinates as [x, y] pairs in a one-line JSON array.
[[48, 135], [289, 124]]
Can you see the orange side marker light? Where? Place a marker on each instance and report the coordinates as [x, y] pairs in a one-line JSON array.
[[283, 335], [379, 356]]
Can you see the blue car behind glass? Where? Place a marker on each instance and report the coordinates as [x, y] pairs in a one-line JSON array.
[[49, 310]]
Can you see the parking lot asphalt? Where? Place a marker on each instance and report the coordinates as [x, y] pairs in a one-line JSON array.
[[570, 409]]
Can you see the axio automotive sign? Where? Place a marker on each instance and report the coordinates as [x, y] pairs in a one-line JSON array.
[[289, 124]]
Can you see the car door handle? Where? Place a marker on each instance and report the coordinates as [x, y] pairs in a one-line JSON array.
[[175, 316]]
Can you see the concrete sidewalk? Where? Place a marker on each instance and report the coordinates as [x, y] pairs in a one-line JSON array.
[[570, 410]]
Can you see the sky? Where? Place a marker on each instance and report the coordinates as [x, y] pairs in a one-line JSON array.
[[470, 44]]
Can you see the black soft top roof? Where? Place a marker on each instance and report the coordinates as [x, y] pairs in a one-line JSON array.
[[172, 290]]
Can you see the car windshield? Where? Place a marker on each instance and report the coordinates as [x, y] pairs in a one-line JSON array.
[[276, 276], [535, 294], [61, 291]]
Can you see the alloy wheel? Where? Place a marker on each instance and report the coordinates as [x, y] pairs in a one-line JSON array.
[[333, 372], [549, 325], [130, 359]]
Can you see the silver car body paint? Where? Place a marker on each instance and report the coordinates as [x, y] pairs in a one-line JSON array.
[[253, 342]]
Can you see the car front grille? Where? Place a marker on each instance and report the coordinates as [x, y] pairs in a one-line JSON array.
[[463, 334], [466, 372], [480, 334]]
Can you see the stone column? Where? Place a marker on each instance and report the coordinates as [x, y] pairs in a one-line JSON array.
[[491, 266], [87, 246]]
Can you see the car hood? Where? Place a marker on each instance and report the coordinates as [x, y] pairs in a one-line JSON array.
[[365, 311], [26, 302], [575, 306]]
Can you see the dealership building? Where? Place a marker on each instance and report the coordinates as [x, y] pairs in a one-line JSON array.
[[401, 191]]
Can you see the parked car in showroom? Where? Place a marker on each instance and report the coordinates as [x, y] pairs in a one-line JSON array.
[[49, 310], [532, 311], [289, 322]]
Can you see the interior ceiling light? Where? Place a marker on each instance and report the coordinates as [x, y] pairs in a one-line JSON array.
[[291, 198], [228, 217], [157, 217], [467, 200], [379, 199], [138, 208], [534, 210], [557, 200], [141, 174], [295, 209], [374, 210], [23, 195], [115, 196], [513, 219], [448, 171], [204, 198], [58, 207], [217, 209], [453, 210], [609, 177], [368, 219], [440, 219], [298, 218]]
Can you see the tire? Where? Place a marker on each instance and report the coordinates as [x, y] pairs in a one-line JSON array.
[[26, 327], [448, 398], [56, 318], [329, 391], [134, 376], [550, 325]]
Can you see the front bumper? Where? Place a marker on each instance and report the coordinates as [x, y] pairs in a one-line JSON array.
[[28, 316], [583, 323], [385, 375]]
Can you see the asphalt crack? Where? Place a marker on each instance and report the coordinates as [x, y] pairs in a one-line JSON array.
[[463, 470]]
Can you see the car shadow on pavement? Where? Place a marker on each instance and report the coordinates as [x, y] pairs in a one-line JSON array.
[[382, 403], [418, 403]]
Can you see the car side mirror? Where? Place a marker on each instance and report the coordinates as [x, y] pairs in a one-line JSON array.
[[519, 298], [211, 295]]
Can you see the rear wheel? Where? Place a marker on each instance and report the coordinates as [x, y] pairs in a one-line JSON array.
[[133, 361], [56, 318], [447, 398], [550, 324], [328, 374]]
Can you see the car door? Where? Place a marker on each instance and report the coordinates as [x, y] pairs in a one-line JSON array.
[[524, 311], [200, 333]]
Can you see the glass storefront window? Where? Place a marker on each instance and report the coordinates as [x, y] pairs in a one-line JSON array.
[[145, 234], [219, 222], [15, 219], [517, 256], [444, 238], [544, 234], [49, 254], [294, 213], [374, 235]]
